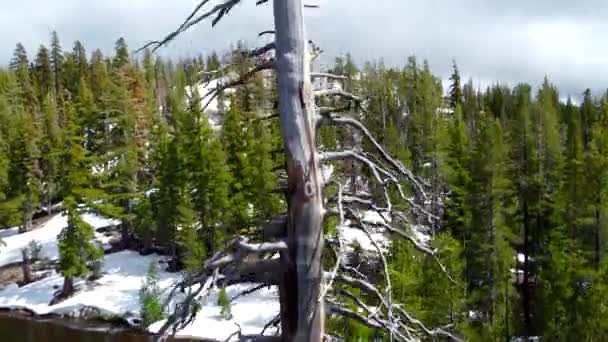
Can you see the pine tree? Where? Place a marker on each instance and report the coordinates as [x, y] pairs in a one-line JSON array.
[[589, 116], [470, 105], [488, 255], [173, 175], [25, 159], [223, 301], [168, 182], [597, 176], [239, 164], [50, 151], [28, 96], [416, 281], [57, 66], [120, 157], [525, 169], [192, 248], [213, 62], [4, 168], [43, 73], [121, 57], [210, 179], [76, 249], [99, 75], [457, 177], [149, 297], [560, 272], [82, 65], [265, 200], [14, 151], [455, 87]]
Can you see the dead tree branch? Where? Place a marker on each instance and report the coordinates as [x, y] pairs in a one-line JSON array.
[[273, 323], [231, 83], [397, 165], [219, 11], [338, 92], [328, 75], [248, 291], [261, 50], [263, 33]]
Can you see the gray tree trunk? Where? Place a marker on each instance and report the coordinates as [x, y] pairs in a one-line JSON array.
[[301, 310]]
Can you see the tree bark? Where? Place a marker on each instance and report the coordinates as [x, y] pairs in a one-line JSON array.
[[27, 215], [68, 287], [301, 309], [25, 267], [526, 281], [598, 236]]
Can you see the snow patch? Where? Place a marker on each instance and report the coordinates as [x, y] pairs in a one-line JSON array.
[[97, 221], [204, 90], [420, 233], [374, 217], [47, 237], [327, 171], [250, 312], [350, 236], [114, 293]]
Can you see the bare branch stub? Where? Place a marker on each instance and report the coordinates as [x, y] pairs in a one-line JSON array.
[[218, 10], [262, 50], [263, 33]]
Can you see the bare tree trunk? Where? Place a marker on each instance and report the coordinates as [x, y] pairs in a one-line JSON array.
[[25, 267], [27, 215], [598, 238], [301, 309], [66, 291]]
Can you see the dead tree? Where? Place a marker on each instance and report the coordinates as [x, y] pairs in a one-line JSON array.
[[26, 267], [307, 293]]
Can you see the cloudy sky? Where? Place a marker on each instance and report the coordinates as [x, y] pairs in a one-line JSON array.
[[508, 41]]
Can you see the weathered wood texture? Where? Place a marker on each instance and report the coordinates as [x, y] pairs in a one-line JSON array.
[[301, 309]]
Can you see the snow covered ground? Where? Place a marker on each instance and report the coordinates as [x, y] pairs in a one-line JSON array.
[[46, 236], [117, 291], [251, 313]]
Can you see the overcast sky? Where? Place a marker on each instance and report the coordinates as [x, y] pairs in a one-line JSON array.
[[492, 40]]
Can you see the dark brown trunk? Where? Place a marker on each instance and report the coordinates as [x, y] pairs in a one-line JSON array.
[[68, 287], [301, 309], [525, 285], [598, 238], [28, 213], [25, 267]]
